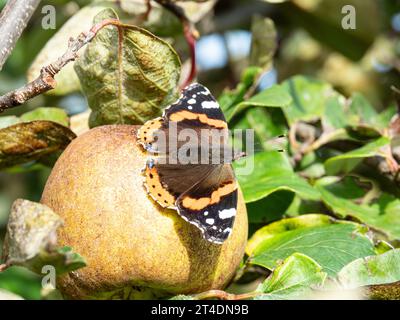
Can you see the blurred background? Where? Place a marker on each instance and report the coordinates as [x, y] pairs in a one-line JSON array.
[[311, 41]]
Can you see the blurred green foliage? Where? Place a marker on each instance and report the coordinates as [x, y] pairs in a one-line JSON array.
[[333, 101]]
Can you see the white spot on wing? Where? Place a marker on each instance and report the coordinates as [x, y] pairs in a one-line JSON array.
[[206, 213], [192, 101], [227, 213], [210, 221], [228, 230], [209, 105], [190, 107]]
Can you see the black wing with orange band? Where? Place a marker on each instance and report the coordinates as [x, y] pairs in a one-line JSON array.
[[196, 109]]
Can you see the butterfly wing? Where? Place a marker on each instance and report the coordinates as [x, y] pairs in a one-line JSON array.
[[166, 182], [196, 109], [211, 204], [204, 194], [197, 103]]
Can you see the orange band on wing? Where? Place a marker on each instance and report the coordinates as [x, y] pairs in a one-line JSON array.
[[146, 131], [156, 190], [187, 115], [201, 203]]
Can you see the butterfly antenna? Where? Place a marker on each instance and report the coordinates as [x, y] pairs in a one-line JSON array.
[[277, 140], [239, 155]]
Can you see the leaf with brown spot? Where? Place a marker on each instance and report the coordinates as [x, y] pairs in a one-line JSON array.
[[127, 74], [31, 239], [27, 141]]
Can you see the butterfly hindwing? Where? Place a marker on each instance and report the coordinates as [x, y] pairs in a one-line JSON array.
[[166, 182], [211, 204]]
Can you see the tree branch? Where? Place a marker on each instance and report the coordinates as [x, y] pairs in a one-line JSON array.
[[13, 19], [45, 81]]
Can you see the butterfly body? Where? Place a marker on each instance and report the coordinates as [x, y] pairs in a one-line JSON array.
[[190, 165]]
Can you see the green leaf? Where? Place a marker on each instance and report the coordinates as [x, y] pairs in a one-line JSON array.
[[63, 259], [356, 114], [309, 97], [385, 116], [311, 166], [382, 246], [127, 74], [230, 98], [363, 110], [7, 121], [24, 142], [21, 281], [276, 228], [270, 208], [7, 295], [339, 123], [294, 278], [31, 239], [331, 243], [335, 115], [317, 103], [263, 42], [57, 115], [349, 160], [372, 270], [50, 114], [346, 197], [267, 124], [300, 207], [273, 97], [272, 172]]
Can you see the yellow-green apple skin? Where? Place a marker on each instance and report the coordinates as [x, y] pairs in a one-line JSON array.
[[134, 249]]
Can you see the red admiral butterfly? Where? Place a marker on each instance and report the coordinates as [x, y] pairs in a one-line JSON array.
[[204, 194]]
